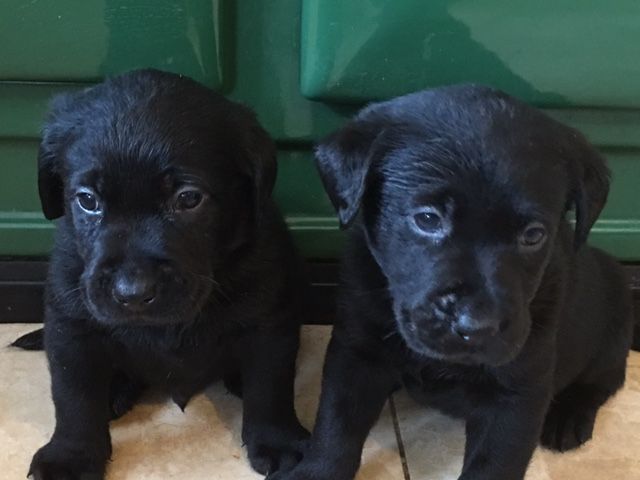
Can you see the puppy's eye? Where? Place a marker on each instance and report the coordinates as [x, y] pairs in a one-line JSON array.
[[188, 199], [428, 222], [533, 235], [88, 201]]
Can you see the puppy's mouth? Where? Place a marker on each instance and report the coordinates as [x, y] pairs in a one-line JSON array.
[[427, 334], [178, 300]]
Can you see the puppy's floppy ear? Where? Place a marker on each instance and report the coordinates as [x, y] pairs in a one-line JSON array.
[[343, 160], [55, 137], [589, 176], [262, 165]]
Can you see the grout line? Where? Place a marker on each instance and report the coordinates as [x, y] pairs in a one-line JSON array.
[[401, 450]]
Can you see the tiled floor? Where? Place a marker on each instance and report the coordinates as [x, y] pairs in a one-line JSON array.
[[158, 441]]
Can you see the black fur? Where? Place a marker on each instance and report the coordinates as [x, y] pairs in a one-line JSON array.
[[152, 288], [30, 341], [464, 282]]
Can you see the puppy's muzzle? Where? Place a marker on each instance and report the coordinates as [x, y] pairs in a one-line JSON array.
[[465, 324], [140, 289]]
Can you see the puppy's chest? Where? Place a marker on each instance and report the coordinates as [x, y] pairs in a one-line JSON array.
[[173, 363], [454, 389]]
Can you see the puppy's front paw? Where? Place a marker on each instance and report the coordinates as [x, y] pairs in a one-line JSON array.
[[566, 429], [265, 459], [52, 462], [310, 471], [270, 450], [295, 474]]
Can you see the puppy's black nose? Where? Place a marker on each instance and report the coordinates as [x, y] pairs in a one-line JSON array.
[[135, 292], [475, 330]]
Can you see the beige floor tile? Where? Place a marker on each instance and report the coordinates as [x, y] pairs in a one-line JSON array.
[[26, 411], [156, 440], [380, 459], [633, 360], [434, 444]]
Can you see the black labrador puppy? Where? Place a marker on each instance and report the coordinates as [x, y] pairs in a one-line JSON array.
[[172, 267], [464, 281]]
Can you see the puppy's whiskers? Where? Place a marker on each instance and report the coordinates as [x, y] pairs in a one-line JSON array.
[[68, 298], [364, 293], [213, 283], [390, 334], [62, 295]]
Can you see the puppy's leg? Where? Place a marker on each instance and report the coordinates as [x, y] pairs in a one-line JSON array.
[[502, 435], [123, 394], [270, 428], [80, 373], [354, 390], [572, 414], [636, 338], [233, 383]]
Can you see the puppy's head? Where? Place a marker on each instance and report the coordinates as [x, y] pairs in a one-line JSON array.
[[160, 181], [461, 192]]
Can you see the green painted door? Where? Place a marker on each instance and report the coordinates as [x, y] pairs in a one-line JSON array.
[[306, 65]]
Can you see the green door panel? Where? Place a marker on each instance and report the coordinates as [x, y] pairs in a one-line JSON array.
[[618, 230], [81, 41], [606, 128], [624, 197], [267, 78], [305, 67], [548, 52], [25, 234], [23, 107], [18, 174], [306, 207]]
